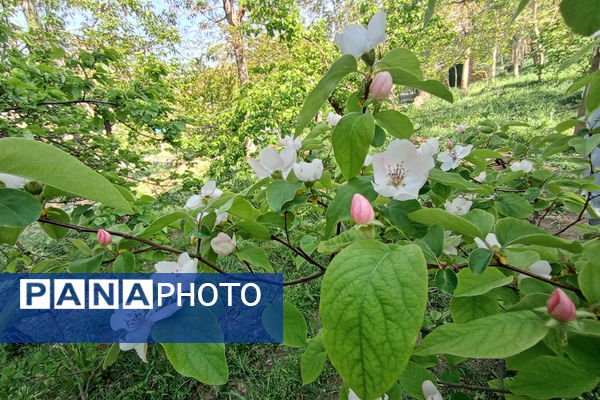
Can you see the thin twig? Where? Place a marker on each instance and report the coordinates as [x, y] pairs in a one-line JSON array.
[[300, 252]]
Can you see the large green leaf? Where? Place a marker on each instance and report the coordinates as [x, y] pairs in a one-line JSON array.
[[509, 229], [397, 213], [395, 123], [589, 281], [495, 336], [471, 284], [86, 265], [455, 180], [479, 260], [339, 208], [47, 164], [18, 208], [351, 139], [511, 205], [280, 192], [338, 70], [548, 377], [451, 222], [255, 256], [582, 16], [124, 263], [204, 361], [549, 241], [373, 301], [9, 235], [239, 207], [313, 360], [467, 309], [340, 241]]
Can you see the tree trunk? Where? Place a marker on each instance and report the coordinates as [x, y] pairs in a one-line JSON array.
[[31, 14], [234, 18], [464, 81], [515, 56], [494, 61]]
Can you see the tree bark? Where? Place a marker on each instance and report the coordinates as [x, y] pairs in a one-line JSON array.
[[31, 14], [595, 65], [515, 54], [494, 61], [234, 19], [464, 81]]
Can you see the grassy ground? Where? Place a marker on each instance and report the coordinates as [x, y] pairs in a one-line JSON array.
[[271, 371]]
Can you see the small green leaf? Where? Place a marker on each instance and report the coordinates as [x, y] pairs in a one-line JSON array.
[[81, 246], [313, 359], [87, 265], [203, 361], [124, 263], [446, 280], [111, 355], [338, 70], [456, 180], [454, 223], [163, 221], [351, 139], [496, 336], [479, 260], [412, 379], [255, 256], [18, 208], [511, 205], [239, 207], [395, 123], [467, 309], [280, 192], [429, 12], [470, 284], [55, 231]]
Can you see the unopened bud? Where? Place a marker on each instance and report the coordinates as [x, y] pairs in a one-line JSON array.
[[382, 85], [104, 238]]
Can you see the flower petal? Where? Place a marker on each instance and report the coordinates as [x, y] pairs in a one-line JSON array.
[[376, 29], [353, 40]]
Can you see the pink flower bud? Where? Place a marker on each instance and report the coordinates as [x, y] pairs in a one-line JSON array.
[[448, 143], [561, 307], [382, 85], [361, 209], [104, 237]]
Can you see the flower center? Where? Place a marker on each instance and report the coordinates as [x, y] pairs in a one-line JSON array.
[[396, 175], [135, 318], [453, 155]]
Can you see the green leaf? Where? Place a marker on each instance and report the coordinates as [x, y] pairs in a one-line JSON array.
[[111, 355], [479, 260], [280, 192], [589, 281], [395, 123], [124, 263], [481, 219], [467, 309], [204, 361], [9, 235], [294, 326], [253, 230], [239, 207], [397, 213], [87, 265], [592, 99], [55, 231], [412, 379], [455, 180], [340, 241], [471, 284], [338, 70], [446, 280], [378, 137], [582, 16], [548, 377], [81, 246], [402, 64], [429, 12], [509, 229], [351, 139], [511, 205], [255, 256], [434, 239], [339, 208], [372, 306], [520, 8], [163, 221], [313, 359], [18, 208], [550, 241], [47, 164], [496, 336], [454, 223]]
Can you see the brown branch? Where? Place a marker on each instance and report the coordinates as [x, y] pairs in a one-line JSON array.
[[300, 252], [304, 278], [69, 102], [473, 387], [579, 217]]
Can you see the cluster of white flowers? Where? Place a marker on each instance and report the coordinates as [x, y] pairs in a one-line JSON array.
[[208, 191], [271, 160]]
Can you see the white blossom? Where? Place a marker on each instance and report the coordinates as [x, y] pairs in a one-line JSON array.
[[333, 118], [525, 166], [451, 243], [184, 264], [368, 160], [541, 268], [271, 160], [451, 159], [430, 392], [13, 181], [429, 148], [291, 142], [208, 190], [357, 40], [489, 243], [458, 206], [481, 177], [220, 218], [353, 396], [401, 170], [461, 128], [223, 245], [311, 171]]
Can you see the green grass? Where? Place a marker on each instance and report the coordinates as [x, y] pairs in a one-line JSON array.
[[272, 371]]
